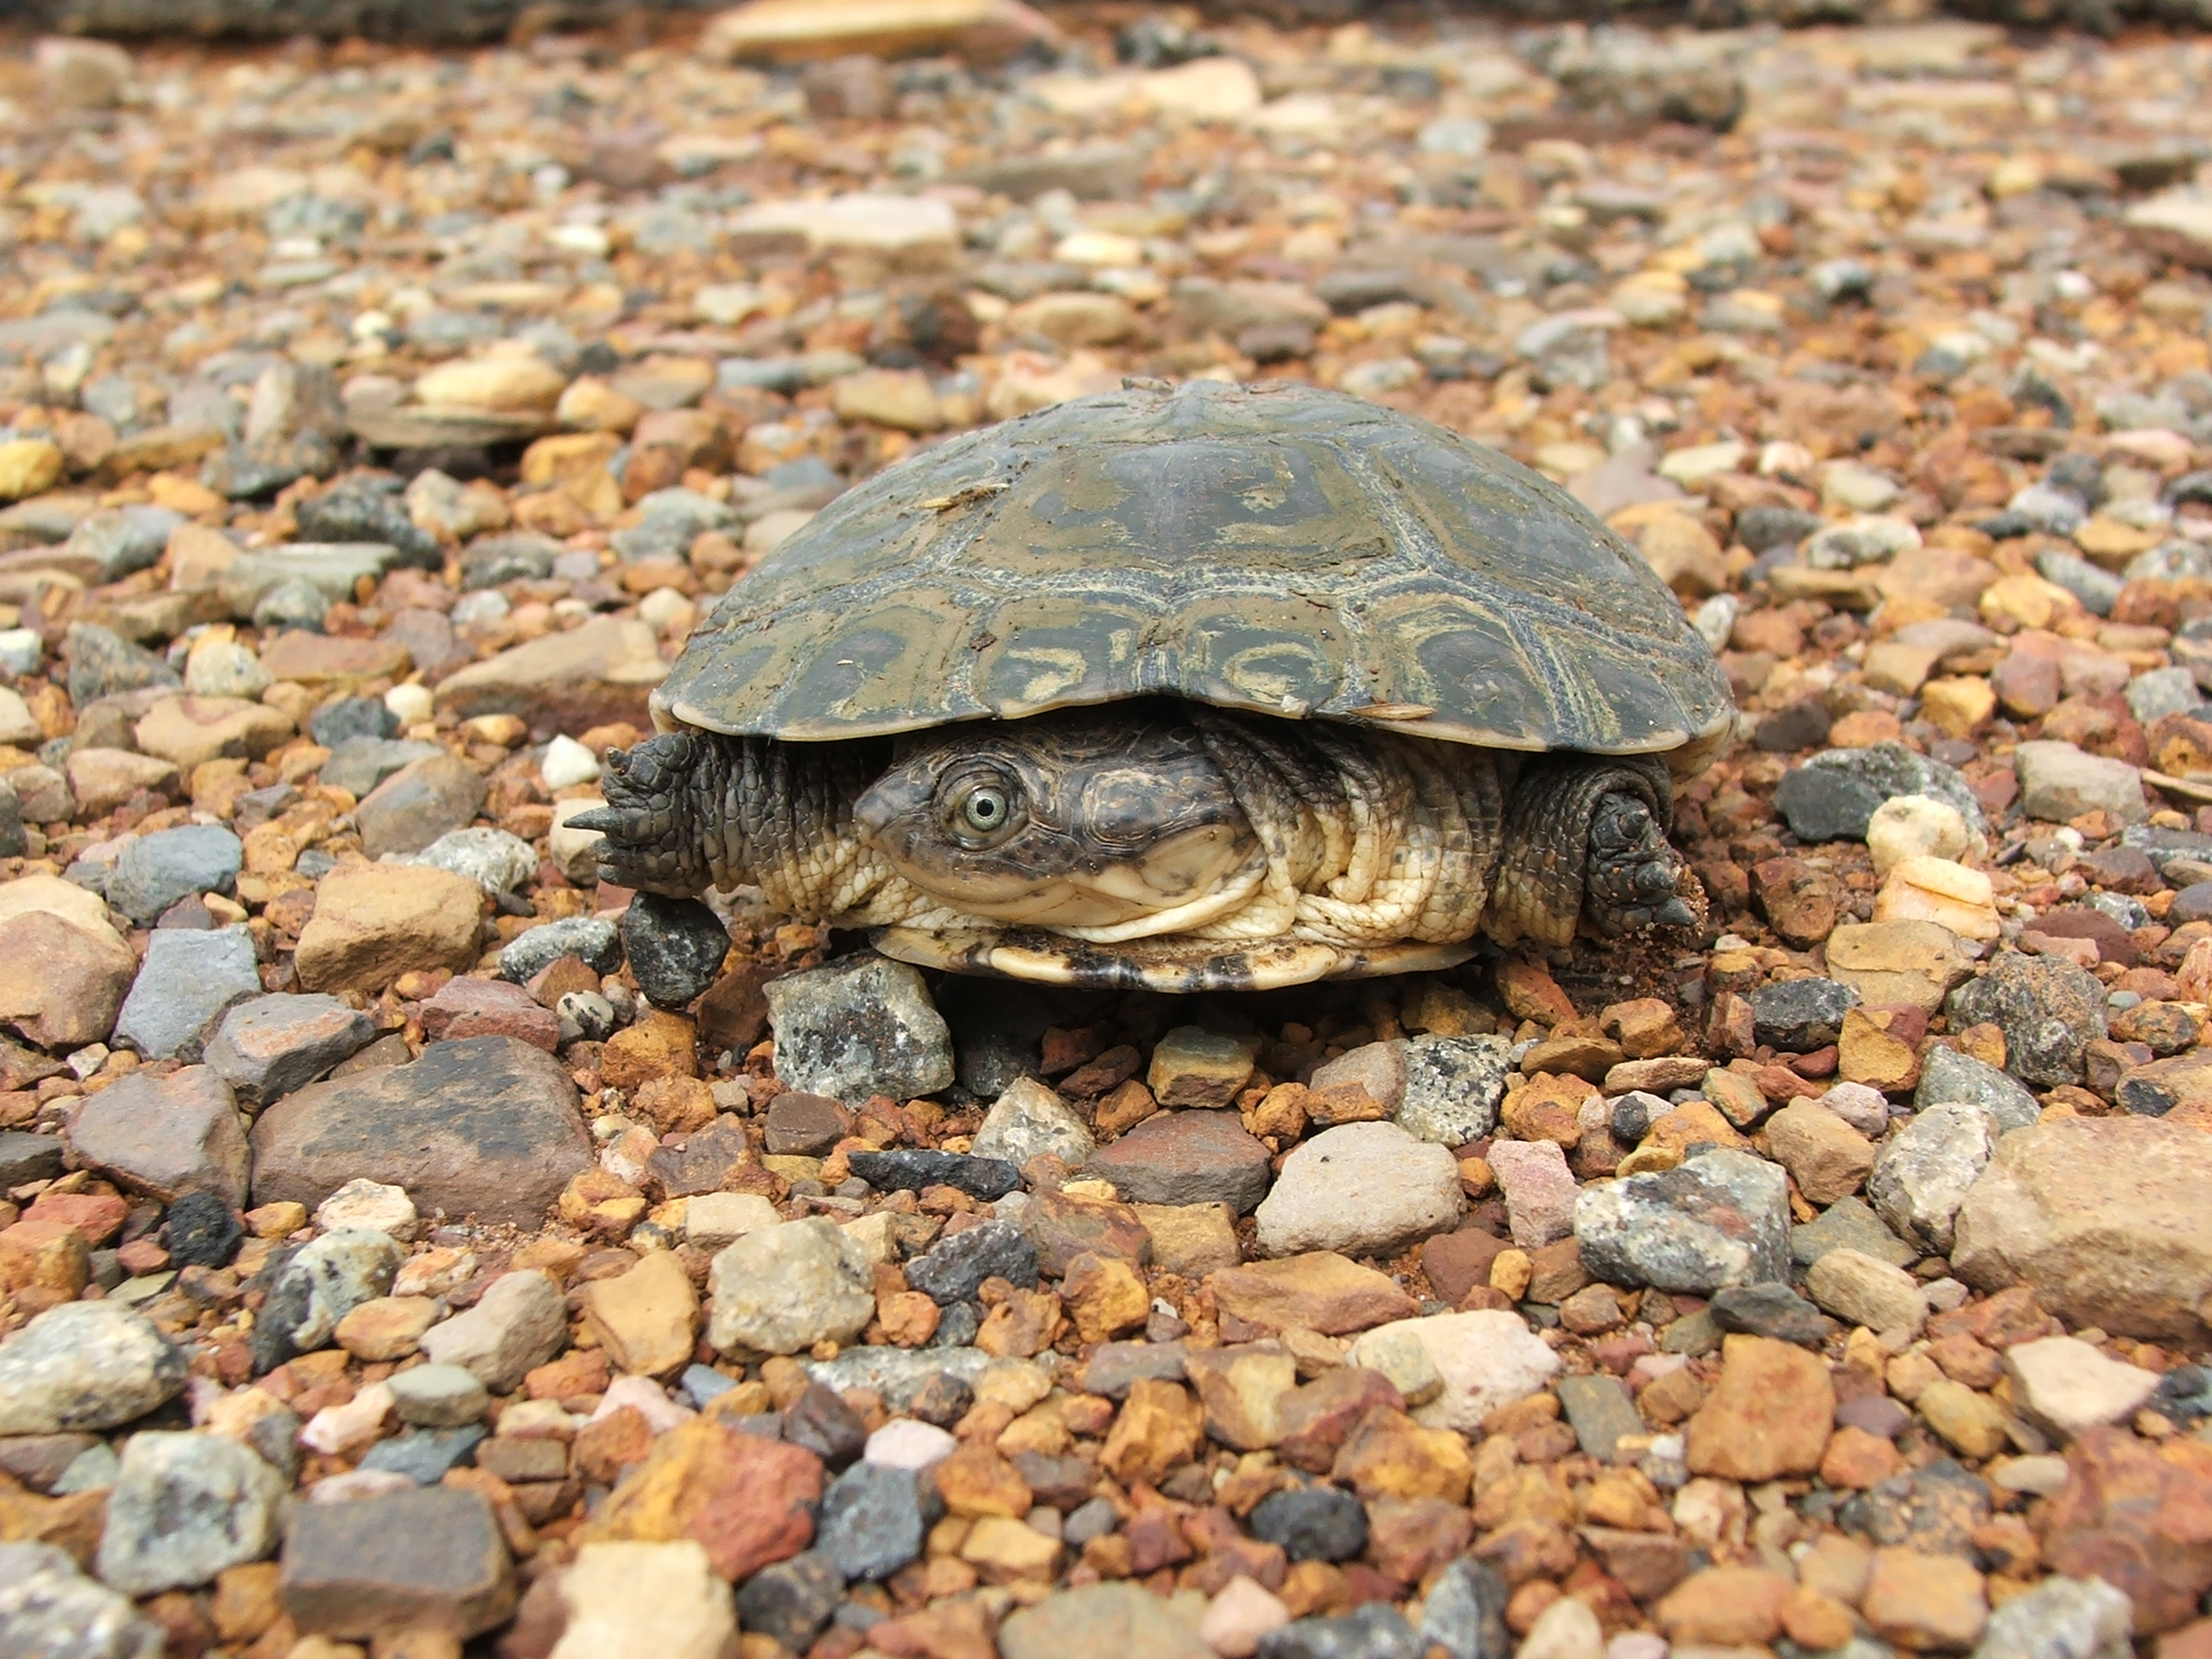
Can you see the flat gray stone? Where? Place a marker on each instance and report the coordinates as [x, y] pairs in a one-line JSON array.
[[189, 977]]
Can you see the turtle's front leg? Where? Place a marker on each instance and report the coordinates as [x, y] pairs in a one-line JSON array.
[[1585, 843], [663, 800]]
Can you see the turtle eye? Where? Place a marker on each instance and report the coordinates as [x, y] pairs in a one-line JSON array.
[[981, 811]]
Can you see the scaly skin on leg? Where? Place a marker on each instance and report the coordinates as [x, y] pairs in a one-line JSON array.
[[1585, 841]]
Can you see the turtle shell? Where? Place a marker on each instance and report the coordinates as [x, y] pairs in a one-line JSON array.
[[1278, 549]]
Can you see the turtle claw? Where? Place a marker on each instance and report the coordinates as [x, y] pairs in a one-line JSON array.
[[1636, 880], [1674, 913], [649, 844]]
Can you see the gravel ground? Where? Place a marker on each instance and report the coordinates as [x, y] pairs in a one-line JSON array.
[[401, 1254]]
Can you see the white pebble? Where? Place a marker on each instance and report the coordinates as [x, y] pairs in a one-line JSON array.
[[1908, 827], [337, 1429], [664, 609], [365, 1203], [20, 650], [410, 705], [909, 1443], [649, 1399], [567, 764]]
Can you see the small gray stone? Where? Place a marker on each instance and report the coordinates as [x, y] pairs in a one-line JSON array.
[[1801, 1015], [156, 870], [496, 861], [122, 540], [1770, 1309], [268, 1046], [324, 1280], [1848, 1223], [897, 1374], [1721, 1218], [859, 1027], [788, 1287], [2061, 1618], [416, 806], [358, 764], [102, 663], [1465, 1611], [1601, 1413], [1949, 1076], [874, 1519], [590, 938], [424, 1454], [954, 1268], [676, 947], [84, 1365], [1831, 796], [189, 977], [50, 1610], [2096, 587], [1922, 1175], [184, 1507], [792, 1599], [431, 1558], [1452, 1087], [2163, 691], [519, 1323], [1376, 1631], [2049, 1009], [165, 1136], [2059, 783], [1030, 1119], [438, 1396]]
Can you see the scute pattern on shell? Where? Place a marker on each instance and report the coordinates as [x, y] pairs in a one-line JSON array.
[[1278, 548]]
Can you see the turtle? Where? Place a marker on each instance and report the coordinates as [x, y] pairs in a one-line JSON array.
[[1185, 687]]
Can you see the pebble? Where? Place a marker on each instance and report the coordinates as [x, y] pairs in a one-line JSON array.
[[2060, 1618], [1801, 1015], [84, 1365], [518, 1324], [1826, 1157], [675, 948], [48, 1606], [165, 1136], [1451, 1088], [593, 939], [874, 1520], [1862, 1290], [1486, 1359], [320, 1284], [183, 1508], [2059, 782], [1719, 1219], [1565, 1630], [492, 858], [1194, 1067], [790, 1601], [857, 1028], [370, 1205], [372, 923], [484, 1127], [1768, 1415], [2049, 1009], [187, 978], [376, 1565], [1951, 1077], [1360, 1189], [954, 1270], [1541, 1191], [786, 1288], [266, 1046], [2064, 1386], [1924, 1171], [1028, 1118], [156, 870], [651, 1600], [1833, 797], [2071, 1205], [1182, 1158], [1318, 1523], [438, 1396], [1240, 1613]]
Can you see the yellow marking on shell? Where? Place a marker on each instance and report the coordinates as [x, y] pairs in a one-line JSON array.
[[1051, 672]]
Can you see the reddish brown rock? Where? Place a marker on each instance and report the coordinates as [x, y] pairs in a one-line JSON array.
[[2139, 1517], [1768, 1416], [490, 1008], [1321, 1291], [746, 1500]]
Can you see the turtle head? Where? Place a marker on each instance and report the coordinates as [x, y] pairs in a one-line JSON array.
[[1116, 826]]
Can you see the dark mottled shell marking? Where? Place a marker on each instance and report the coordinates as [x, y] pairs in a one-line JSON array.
[[1277, 549]]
